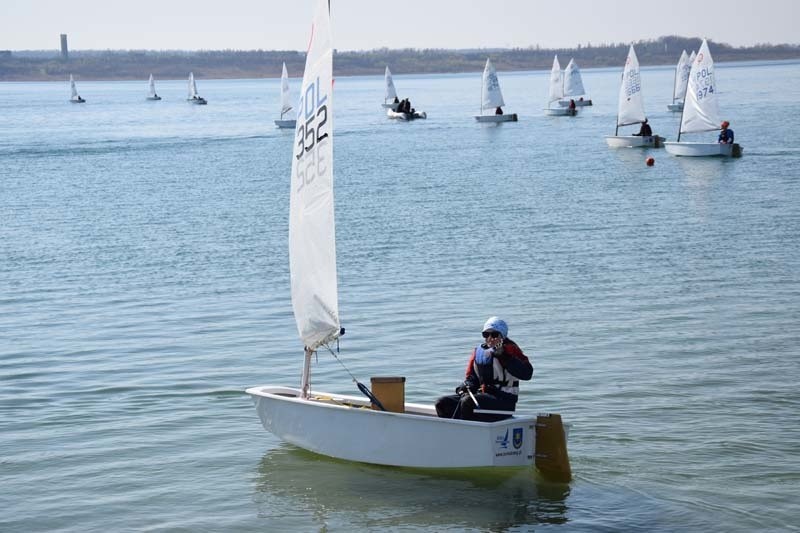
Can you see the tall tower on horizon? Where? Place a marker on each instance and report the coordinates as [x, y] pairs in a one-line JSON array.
[[64, 51]]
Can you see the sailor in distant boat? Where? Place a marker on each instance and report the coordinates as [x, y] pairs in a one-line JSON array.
[[492, 378], [725, 133], [498, 111], [645, 130]]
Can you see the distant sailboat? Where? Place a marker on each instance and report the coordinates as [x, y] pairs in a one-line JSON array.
[[193, 96], [151, 91], [286, 104], [573, 86], [75, 98], [556, 93], [701, 112], [492, 97], [630, 108], [390, 93], [681, 79]]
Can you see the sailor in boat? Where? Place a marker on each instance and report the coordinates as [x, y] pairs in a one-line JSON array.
[[396, 101], [571, 104], [725, 133], [498, 111], [492, 379], [645, 130]]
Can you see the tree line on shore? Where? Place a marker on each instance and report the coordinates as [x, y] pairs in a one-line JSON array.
[[221, 64]]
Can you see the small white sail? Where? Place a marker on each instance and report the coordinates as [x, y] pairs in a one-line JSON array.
[[286, 104], [681, 77], [491, 95], [701, 108], [312, 246], [192, 87], [73, 89], [391, 92], [573, 82], [631, 104], [556, 82], [151, 92]]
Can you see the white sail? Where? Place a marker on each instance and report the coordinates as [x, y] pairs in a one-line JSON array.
[[701, 109], [72, 88], [491, 95], [192, 86], [286, 104], [391, 92], [556, 82], [573, 83], [630, 108], [312, 247], [152, 87], [681, 77]]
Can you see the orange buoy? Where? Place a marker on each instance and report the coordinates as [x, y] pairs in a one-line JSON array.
[[650, 161]]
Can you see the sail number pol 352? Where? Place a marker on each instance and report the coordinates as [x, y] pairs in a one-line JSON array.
[[311, 130]]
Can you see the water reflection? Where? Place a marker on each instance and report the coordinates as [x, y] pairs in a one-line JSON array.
[[332, 492]]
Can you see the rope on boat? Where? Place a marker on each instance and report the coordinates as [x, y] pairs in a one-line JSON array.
[[363, 388]]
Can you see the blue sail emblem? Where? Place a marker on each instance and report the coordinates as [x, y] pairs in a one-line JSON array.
[[516, 438]]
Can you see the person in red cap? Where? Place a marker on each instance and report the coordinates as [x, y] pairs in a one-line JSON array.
[[725, 133]]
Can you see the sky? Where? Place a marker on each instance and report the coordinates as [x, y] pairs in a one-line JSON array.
[[371, 24]]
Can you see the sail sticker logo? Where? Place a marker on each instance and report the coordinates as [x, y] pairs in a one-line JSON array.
[[502, 441], [516, 438]]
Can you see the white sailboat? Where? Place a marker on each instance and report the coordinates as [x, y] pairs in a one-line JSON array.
[[194, 98], [390, 94], [286, 104], [701, 111], [151, 90], [630, 108], [492, 97], [74, 97], [681, 79], [556, 93], [573, 86], [351, 427]]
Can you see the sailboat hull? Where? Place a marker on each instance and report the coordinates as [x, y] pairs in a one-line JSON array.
[[695, 149], [560, 112], [346, 427], [677, 107], [390, 105], [635, 141], [286, 123], [154, 98], [512, 117]]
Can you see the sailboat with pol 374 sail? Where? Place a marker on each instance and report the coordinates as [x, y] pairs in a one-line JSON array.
[[378, 427], [701, 112]]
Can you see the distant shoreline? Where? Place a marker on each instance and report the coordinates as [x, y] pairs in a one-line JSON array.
[[239, 64]]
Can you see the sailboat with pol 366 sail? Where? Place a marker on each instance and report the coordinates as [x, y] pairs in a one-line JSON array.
[[378, 427], [492, 97], [630, 109]]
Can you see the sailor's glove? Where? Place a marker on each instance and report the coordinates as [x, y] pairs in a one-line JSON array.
[[464, 387]]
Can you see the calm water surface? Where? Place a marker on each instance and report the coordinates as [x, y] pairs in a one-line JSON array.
[[144, 286]]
